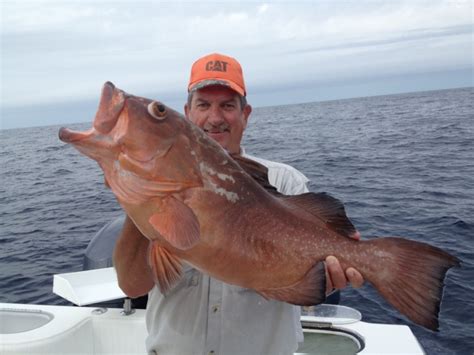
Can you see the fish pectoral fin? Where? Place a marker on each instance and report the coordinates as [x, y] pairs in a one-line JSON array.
[[176, 223], [327, 208], [309, 291], [167, 268]]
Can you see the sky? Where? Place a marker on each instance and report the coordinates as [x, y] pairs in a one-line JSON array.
[[55, 55]]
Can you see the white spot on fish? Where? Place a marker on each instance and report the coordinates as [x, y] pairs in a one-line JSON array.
[[380, 253], [229, 195], [225, 177], [209, 170]]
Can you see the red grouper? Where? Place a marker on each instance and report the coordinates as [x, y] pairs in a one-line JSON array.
[[217, 212]]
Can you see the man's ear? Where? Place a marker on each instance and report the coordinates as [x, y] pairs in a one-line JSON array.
[[247, 111], [186, 111]]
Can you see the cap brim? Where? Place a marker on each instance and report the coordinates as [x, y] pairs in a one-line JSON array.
[[212, 82]]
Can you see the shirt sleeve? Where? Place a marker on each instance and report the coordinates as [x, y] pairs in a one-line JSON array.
[[287, 179]]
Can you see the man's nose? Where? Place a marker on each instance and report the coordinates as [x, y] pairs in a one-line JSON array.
[[215, 116]]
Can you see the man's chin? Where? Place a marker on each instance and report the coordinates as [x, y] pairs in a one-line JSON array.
[[220, 138]]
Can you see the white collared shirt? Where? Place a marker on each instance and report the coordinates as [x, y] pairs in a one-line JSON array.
[[202, 315]]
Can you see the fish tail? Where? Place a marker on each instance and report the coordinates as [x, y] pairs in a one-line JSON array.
[[410, 275]]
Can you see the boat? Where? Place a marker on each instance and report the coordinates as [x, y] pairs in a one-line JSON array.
[[88, 327], [47, 329]]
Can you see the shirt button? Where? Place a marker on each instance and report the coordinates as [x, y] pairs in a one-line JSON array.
[[215, 308], [194, 280]]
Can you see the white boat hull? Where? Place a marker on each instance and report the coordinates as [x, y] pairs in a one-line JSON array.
[[86, 330]]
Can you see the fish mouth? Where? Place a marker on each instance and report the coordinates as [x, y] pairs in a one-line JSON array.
[[70, 136], [90, 143], [112, 102]]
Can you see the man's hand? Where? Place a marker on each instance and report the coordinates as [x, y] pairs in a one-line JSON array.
[[336, 278]]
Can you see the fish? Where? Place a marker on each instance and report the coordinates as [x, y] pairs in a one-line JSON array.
[[200, 205]]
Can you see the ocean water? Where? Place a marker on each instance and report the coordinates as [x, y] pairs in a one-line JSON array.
[[403, 165]]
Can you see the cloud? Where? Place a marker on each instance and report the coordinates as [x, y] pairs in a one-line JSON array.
[[53, 50], [261, 9]]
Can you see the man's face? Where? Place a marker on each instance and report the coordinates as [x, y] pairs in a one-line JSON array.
[[217, 110]]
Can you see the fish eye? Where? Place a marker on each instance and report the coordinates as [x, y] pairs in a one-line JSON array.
[[157, 110]]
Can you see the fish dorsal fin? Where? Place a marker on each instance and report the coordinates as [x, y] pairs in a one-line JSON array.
[[167, 268], [327, 208], [176, 223], [257, 171]]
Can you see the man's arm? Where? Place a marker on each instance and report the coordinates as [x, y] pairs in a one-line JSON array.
[[130, 261]]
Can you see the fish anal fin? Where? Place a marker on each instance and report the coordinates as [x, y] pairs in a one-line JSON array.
[[327, 208], [310, 290], [167, 268], [176, 223]]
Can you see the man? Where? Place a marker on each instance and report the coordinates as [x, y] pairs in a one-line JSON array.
[[202, 315]]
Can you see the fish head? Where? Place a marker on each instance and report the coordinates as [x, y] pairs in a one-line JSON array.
[[137, 142], [124, 124]]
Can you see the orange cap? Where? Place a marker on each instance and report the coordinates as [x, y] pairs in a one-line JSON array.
[[217, 69]]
